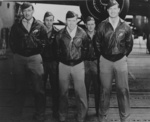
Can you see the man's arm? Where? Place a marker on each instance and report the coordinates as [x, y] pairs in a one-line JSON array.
[[85, 44], [58, 45], [55, 44], [98, 39], [129, 42], [40, 40], [43, 37]]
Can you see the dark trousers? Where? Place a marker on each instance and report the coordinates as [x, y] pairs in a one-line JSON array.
[[91, 78], [51, 71], [28, 70]]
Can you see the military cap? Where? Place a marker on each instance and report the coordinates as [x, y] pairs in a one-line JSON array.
[[112, 3], [47, 14], [89, 18], [71, 14], [26, 5]]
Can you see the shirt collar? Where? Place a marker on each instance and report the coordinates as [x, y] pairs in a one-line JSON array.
[[48, 30], [30, 21], [117, 20], [73, 31]]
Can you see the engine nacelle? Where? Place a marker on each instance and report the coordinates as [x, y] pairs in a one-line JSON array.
[[97, 9], [141, 23]]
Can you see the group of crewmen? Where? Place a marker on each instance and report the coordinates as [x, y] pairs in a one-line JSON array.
[[71, 55]]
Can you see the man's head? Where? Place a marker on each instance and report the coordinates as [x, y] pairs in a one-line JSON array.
[[90, 24], [48, 19], [71, 20], [113, 8], [27, 10]]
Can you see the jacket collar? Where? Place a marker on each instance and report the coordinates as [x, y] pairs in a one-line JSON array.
[[34, 21], [66, 32], [120, 20], [73, 33], [54, 30], [26, 21], [89, 35]]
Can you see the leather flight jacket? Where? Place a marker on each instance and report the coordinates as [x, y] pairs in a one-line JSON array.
[[114, 44], [72, 52], [28, 43], [92, 54], [49, 52]]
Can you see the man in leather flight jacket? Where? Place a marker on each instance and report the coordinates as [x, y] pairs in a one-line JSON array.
[[50, 62], [72, 47], [114, 42], [27, 39], [91, 63]]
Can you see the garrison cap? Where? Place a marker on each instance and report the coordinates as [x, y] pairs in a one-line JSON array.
[[89, 18], [26, 5], [71, 14], [47, 14], [112, 3]]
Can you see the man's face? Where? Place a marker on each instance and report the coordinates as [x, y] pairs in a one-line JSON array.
[[90, 25], [28, 13], [49, 21], [113, 11], [71, 23]]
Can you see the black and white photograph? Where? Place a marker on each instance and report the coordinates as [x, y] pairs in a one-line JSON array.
[[74, 61]]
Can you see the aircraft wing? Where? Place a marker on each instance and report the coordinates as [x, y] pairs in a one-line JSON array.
[[97, 8]]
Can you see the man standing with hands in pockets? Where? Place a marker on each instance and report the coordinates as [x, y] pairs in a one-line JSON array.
[[114, 42]]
